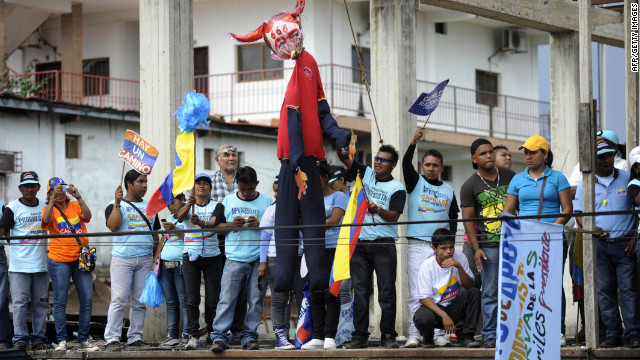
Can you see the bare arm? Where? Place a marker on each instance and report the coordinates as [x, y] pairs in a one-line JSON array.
[[446, 320], [86, 212], [115, 218], [566, 204], [511, 204], [336, 215], [472, 243]]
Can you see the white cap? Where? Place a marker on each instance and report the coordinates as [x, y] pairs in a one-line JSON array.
[[634, 155]]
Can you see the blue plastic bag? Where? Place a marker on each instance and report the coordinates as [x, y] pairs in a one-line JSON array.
[[152, 294]]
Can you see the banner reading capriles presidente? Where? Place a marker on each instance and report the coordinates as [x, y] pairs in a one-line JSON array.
[[529, 290]]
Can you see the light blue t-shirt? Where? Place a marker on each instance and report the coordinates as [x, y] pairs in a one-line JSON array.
[[336, 200], [528, 192], [379, 192], [613, 189], [130, 246], [27, 255], [635, 182], [204, 243], [429, 202], [174, 245], [244, 246]]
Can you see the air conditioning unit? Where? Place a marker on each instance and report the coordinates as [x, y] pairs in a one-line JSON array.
[[514, 40]]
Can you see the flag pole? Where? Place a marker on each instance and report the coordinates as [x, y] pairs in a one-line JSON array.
[[425, 122], [193, 191], [122, 173]]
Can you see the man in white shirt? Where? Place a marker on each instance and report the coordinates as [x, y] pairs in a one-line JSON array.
[[447, 296]]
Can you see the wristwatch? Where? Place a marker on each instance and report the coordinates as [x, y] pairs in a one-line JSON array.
[[475, 249]]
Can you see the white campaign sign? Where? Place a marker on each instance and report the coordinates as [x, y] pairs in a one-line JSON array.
[[529, 290]]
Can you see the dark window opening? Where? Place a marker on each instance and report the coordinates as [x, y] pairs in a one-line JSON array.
[[98, 82], [257, 59], [487, 88], [441, 28], [72, 146], [365, 53]]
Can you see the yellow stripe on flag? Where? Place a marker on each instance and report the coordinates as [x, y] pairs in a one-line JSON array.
[[184, 175], [341, 269]]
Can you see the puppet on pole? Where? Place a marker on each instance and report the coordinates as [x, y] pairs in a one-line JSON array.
[[304, 115]]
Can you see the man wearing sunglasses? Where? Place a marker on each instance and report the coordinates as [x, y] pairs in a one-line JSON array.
[[376, 249]]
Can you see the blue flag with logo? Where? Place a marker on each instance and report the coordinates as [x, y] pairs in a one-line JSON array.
[[427, 102]]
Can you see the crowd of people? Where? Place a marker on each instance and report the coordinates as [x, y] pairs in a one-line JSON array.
[[448, 290]]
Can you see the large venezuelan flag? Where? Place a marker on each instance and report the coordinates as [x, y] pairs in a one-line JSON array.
[[179, 180], [356, 209]]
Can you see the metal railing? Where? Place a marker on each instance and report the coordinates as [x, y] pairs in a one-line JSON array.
[[488, 114], [78, 89], [258, 95]]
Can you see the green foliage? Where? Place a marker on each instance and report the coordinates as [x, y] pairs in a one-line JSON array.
[[23, 85]]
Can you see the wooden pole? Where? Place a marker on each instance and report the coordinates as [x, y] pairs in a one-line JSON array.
[[122, 173], [425, 122], [586, 137]]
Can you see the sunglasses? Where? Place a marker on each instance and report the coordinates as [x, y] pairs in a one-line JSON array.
[[229, 150], [381, 159]]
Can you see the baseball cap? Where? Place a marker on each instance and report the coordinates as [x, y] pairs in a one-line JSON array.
[[634, 155], [203, 176], [535, 143], [29, 177], [604, 146], [609, 135], [336, 173], [53, 182]]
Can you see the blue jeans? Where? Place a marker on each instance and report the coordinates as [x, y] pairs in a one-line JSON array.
[[27, 287], [5, 327], [489, 274], [616, 270], [61, 273], [172, 284], [235, 276]]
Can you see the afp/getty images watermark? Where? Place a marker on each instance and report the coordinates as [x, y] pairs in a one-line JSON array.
[[633, 21]]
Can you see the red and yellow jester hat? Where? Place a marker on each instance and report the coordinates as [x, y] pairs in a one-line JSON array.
[[281, 32]]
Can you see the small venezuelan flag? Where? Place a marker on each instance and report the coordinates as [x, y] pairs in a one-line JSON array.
[[348, 238]]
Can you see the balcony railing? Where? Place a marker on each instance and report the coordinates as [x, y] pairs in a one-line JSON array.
[[258, 95], [79, 89]]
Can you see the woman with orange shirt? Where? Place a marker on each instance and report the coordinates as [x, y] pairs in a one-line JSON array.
[[62, 262]]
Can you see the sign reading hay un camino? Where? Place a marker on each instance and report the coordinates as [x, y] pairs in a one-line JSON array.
[[138, 153], [529, 290]]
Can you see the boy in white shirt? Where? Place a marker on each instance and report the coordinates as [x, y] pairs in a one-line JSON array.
[[447, 296]]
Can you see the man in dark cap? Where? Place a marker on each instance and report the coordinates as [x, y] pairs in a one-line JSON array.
[[483, 196]]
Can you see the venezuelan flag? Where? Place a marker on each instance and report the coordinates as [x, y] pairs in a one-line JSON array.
[[356, 209], [179, 180]]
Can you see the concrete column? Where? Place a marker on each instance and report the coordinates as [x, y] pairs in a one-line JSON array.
[[393, 65], [166, 74], [563, 51], [71, 47]]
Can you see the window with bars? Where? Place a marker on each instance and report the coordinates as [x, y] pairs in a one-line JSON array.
[[256, 59]]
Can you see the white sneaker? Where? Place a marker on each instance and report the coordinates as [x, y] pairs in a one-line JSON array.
[[314, 344], [62, 346], [412, 343], [442, 341], [563, 341], [329, 343], [88, 346]]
